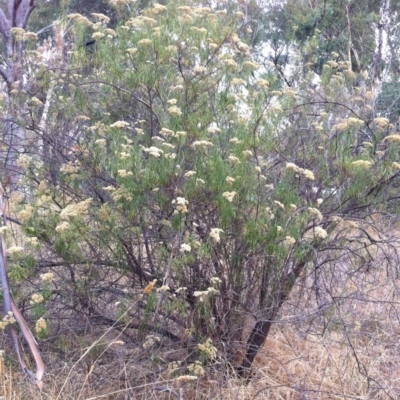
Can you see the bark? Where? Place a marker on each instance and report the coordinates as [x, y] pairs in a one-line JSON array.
[[18, 12], [262, 327], [349, 44], [10, 308], [15, 16]]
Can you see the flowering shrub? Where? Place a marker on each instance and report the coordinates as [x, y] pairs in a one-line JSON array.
[[184, 165]]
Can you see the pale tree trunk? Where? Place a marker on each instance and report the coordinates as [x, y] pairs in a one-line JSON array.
[[13, 140], [349, 45], [11, 70]]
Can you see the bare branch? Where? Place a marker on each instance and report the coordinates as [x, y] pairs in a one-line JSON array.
[[28, 10], [45, 29], [5, 27], [11, 8], [4, 75]]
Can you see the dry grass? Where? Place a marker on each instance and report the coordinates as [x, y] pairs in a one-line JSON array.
[[358, 363], [346, 352]]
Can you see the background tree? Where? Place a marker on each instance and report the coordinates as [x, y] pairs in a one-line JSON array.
[[313, 30]]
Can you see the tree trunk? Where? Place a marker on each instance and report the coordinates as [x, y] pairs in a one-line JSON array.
[[18, 12], [261, 330], [14, 140]]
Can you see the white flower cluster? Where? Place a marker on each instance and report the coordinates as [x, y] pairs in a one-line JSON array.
[[214, 234], [289, 241], [75, 210], [196, 368], [168, 132], [233, 159], [320, 232], [47, 277], [153, 151], [189, 174], [175, 110], [181, 205], [363, 163], [62, 227], [185, 248], [208, 348], [7, 319], [123, 173], [15, 249], [24, 161], [41, 325], [26, 213], [229, 196], [119, 124], [315, 213], [101, 17], [36, 299], [150, 341], [216, 281], [305, 172], [201, 144], [70, 168], [163, 289], [202, 295]]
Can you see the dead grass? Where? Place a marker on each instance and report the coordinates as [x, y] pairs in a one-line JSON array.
[[360, 364], [346, 352]]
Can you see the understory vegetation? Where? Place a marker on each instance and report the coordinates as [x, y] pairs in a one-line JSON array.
[[199, 200]]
